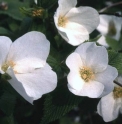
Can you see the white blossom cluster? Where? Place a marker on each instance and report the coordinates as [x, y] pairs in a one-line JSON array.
[[90, 75]]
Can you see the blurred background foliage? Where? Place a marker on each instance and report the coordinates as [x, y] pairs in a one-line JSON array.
[[60, 106]]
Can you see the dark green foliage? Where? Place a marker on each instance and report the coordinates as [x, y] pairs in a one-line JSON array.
[[59, 102], [13, 9], [115, 60], [7, 120], [7, 103], [114, 44]]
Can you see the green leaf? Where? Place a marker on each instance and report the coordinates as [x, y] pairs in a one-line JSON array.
[[67, 120], [7, 103], [7, 120], [58, 67], [59, 102], [115, 60], [13, 9], [6, 76], [47, 3], [4, 31], [7, 97], [114, 44], [25, 26]]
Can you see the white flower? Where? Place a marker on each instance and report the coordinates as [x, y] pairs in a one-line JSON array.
[[90, 75], [75, 24], [110, 105], [110, 26], [25, 61], [102, 41]]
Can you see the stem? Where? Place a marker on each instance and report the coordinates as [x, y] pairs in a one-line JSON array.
[[115, 4], [112, 14], [118, 83]]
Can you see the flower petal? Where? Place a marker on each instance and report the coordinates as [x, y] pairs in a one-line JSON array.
[[29, 51], [86, 16], [102, 41], [92, 89], [75, 28], [104, 23], [105, 20], [95, 57], [18, 86], [106, 78], [108, 108], [75, 81], [119, 79], [83, 48], [74, 62], [74, 38], [73, 33], [64, 36], [65, 6], [40, 82], [5, 44]]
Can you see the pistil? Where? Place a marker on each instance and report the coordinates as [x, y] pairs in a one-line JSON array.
[[86, 74]]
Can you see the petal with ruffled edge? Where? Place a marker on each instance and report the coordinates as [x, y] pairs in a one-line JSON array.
[[95, 57], [118, 26], [104, 23], [18, 86], [92, 89], [102, 41], [73, 33], [72, 27], [75, 81], [5, 44], [74, 38], [65, 6], [82, 49], [33, 85], [108, 108], [74, 62], [105, 20], [86, 16], [28, 52], [106, 78]]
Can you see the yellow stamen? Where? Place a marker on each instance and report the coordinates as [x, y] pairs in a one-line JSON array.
[[86, 74], [117, 92], [6, 65], [62, 21]]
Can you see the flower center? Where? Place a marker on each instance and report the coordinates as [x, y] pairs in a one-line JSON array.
[[111, 29], [62, 21], [6, 65], [86, 74], [117, 92]]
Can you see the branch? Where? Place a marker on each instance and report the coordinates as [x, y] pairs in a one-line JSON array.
[[118, 83], [114, 14], [115, 4]]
